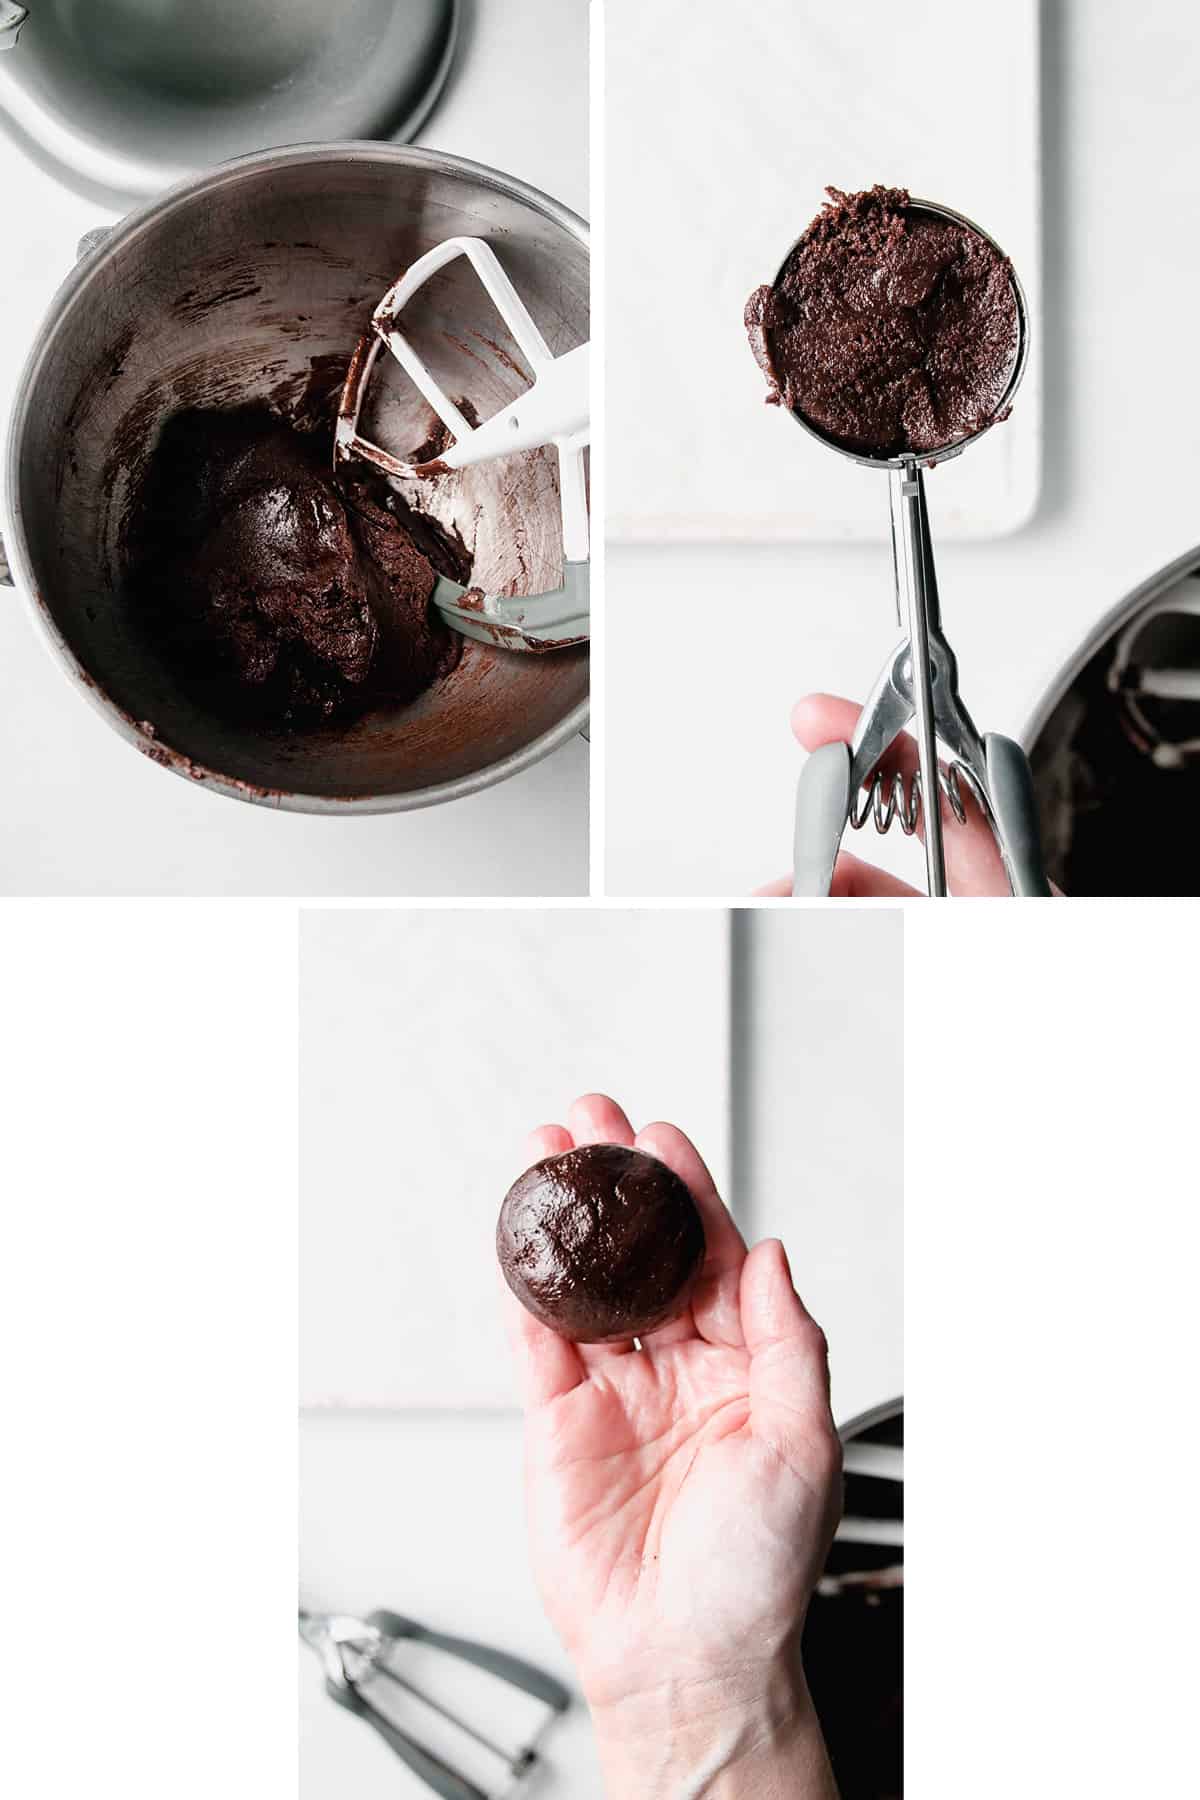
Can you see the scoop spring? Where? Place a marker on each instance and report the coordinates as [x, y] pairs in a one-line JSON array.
[[888, 798]]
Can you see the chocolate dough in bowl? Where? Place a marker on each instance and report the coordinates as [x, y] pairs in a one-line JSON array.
[[249, 287]]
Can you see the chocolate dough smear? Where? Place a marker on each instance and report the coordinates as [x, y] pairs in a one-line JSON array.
[[889, 329], [600, 1243], [276, 590]]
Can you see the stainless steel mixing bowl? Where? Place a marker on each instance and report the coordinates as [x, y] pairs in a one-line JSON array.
[[122, 97], [233, 287]]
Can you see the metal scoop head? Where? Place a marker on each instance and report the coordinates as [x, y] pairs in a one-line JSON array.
[[928, 459]]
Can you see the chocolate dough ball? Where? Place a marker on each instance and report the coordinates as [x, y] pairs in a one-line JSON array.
[[890, 329], [600, 1243]]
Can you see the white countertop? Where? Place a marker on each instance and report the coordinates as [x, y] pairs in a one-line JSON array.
[[422, 1513], [83, 812], [709, 646]]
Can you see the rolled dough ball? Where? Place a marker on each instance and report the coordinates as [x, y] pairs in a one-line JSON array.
[[600, 1243]]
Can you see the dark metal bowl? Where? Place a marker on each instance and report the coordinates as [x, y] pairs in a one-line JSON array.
[[1115, 746]]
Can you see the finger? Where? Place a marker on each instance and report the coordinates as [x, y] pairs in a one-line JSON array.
[[789, 1362], [973, 862], [595, 1119], [547, 1365], [854, 880], [819, 719], [824, 719], [547, 1140], [714, 1310], [725, 1244]]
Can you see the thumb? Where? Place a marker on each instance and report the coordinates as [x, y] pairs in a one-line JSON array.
[[789, 1364]]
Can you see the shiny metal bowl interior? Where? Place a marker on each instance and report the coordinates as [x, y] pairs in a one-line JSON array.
[[127, 96], [1115, 810], [227, 291], [929, 460]]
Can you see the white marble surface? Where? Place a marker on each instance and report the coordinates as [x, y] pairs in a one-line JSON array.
[[709, 646], [740, 164], [421, 1513], [83, 812], [785, 1060], [430, 1043]]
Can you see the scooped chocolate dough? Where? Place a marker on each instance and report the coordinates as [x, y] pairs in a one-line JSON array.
[[600, 1243], [888, 329], [274, 588]]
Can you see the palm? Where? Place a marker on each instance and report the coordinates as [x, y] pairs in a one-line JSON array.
[[648, 1469]]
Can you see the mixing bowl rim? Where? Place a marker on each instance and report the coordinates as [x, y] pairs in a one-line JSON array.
[[1105, 628], [879, 1414]]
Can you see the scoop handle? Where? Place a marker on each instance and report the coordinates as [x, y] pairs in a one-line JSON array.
[[513, 1669], [822, 809], [1014, 807], [917, 598], [438, 1775]]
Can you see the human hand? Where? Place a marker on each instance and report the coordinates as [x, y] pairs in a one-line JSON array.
[[682, 1499], [973, 862]]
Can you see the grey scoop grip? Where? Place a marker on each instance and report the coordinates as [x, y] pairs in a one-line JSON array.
[[1014, 807], [822, 808], [518, 1674], [438, 1775]]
